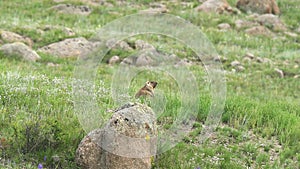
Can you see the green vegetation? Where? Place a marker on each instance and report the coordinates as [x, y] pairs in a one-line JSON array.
[[260, 125]]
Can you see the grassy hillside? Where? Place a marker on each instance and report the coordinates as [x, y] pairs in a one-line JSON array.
[[260, 126]]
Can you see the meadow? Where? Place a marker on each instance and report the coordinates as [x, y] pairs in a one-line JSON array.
[[260, 125]]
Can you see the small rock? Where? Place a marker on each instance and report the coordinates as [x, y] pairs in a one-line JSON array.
[[258, 6], [296, 66], [20, 50], [263, 60], [279, 72], [215, 6], [56, 158], [184, 62], [247, 59], [271, 21], [224, 26], [156, 8], [291, 34], [142, 45], [71, 9], [114, 60], [69, 31], [240, 68], [235, 63], [259, 30], [249, 55], [50, 64], [114, 44], [11, 37], [220, 59], [296, 76], [240, 24]]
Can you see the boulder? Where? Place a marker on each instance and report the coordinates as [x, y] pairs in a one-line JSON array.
[[216, 6], [258, 6], [259, 30], [72, 9], [271, 21], [73, 47], [240, 24], [19, 49], [127, 141], [11, 37]]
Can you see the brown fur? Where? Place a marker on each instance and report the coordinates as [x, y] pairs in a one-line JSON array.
[[147, 90]]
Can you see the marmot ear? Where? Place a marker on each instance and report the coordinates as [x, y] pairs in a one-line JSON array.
[[153, 84]]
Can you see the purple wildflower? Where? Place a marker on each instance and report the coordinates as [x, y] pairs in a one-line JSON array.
[[40, 166]]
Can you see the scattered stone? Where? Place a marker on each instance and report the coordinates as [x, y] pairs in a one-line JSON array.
[[235, 63], [220, 59], [97, 3], [260, 60], [271, 21], [113, 60], [156, 8], [249, 55], [259, 30], [19, 49], [50, 64], [131, 132], [224, 26], [296, 76], [11, 37], [258, 6], [240, 24], [72, 9], [142, 45], [184, 62], [215, 6], [291, 34], [73, 47], [296, 66], [263, 60], [279, 72], [114, 44], [247, 59], [240, 68], [68, 31]]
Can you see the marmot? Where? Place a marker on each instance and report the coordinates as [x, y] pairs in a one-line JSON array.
[[147, 90]]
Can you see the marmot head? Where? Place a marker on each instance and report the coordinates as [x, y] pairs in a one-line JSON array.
[[151, 83]]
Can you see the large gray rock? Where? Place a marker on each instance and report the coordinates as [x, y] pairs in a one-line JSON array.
[[271, 21], [72, 9], [258, 6], [11, 37], [215, 6], [127, 141], [20, 50], [73, 47]]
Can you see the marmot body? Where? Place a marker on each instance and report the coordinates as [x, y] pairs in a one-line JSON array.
[[147, 90]]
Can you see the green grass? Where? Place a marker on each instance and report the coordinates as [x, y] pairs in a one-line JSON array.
[[261, 118]]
